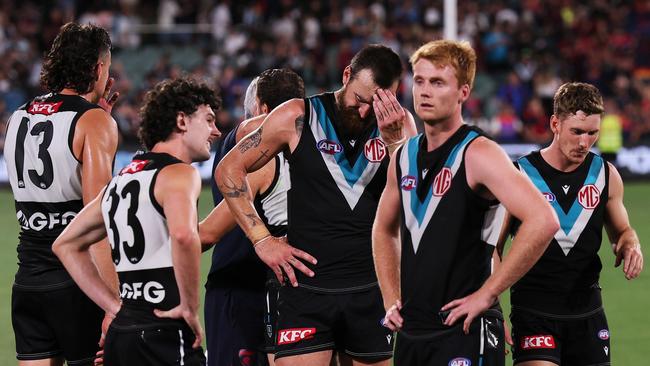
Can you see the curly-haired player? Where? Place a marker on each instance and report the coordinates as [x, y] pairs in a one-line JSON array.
[[59, 152], [148, 212]]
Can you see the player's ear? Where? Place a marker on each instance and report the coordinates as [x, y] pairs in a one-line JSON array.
[[555, 124], [182, 121], [264, 108], [464, 93], [347, 74]]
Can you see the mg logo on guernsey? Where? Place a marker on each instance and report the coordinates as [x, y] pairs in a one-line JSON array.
[[549, 196], [293, 335], [442, 182], [589, 196], [151, 291], [460, 361], [329, 147], [40, 220], [538, 342], [44, 108], [408, 182], [374, 150]]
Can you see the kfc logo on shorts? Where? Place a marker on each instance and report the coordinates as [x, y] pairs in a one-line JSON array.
[[374, 150], [442, 182], [408, 182], [460, 361], [44, 108], [603, 334], [329, 147], [293, 335], [549, 196], [589, 196], [134, 167], [538, 342]]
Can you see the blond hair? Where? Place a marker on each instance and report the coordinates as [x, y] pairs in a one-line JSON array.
[[573, 97], [459, 55]]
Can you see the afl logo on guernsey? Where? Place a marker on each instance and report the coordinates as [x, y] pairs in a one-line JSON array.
[[408, 182], [329, 147], [549, 196], [374, 150], [460, 361], [442, 182], [603, 334], [589, 196]]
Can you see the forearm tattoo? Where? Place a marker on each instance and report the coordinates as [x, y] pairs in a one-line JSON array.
[[253, 218], [263, 155], [231, 189], [251, 141]]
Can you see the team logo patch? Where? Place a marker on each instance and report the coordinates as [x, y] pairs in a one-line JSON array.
[[538, 342], [329, 147], [247, 357], [293, 335], [44, 108], [460, 361], [408, 182], [374, 150], [134, 167], [442, 182], [603, 334], [549, 196], [589, 196]]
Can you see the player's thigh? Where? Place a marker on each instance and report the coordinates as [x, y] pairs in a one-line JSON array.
[[320, 358], [56, 361], [364, 336], [77, 324], [536, 338]]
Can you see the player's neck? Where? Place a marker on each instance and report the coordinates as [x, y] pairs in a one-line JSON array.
[[173, 147], [88, 96], [554, 157], [439, 132]]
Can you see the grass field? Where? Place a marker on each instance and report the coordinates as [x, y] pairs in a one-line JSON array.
[[627, 302]]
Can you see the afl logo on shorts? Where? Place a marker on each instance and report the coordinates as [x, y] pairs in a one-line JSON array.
[[589, 196], [460, 361], [329, 147], [603, 334], [442, 182], [374, 150], [408, 182], [549, 196]]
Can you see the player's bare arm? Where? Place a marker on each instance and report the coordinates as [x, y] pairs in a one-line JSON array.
[[72, 247], [280, 131], [491, 172], [625, 242], [177, 190], [220, 220], [386, 249]]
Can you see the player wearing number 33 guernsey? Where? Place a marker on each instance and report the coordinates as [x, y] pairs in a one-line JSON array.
[[59, 151], [148, 212], [557, 312]]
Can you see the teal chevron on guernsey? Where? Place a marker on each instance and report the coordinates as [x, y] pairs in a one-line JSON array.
[[417, 212], [573, 222], [351, 179]]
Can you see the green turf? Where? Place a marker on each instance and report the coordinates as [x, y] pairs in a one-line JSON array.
[[626, 301]]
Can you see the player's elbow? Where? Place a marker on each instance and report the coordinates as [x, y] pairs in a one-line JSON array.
[[548, 224], [185, 237]]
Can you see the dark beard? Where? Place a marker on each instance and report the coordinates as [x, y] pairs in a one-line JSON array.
[[352, 121]]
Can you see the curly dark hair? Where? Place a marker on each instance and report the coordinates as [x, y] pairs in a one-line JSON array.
[[71, 61], [276, 86], [163, 103]]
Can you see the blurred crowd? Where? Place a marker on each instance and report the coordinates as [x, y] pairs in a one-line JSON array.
[[526, 50]]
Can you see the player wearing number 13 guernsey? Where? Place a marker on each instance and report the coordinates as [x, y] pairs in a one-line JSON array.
[[59, 151], [557, 311], [149, 213]]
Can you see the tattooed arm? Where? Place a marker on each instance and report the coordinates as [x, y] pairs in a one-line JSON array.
[[280, 131]]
